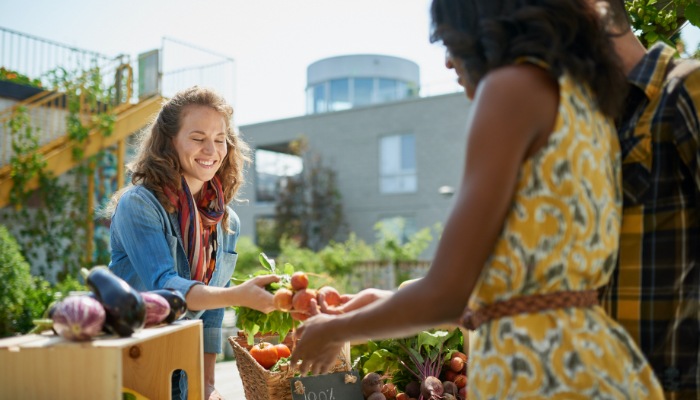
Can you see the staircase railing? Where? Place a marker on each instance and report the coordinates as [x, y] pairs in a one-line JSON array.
[[47, 110]]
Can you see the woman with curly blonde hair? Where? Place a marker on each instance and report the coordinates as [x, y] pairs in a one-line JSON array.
[[172, 228]]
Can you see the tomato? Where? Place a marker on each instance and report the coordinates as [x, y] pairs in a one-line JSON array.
[[265, 354], [282, 350]]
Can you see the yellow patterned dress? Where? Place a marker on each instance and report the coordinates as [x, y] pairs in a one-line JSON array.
[[561, 234]]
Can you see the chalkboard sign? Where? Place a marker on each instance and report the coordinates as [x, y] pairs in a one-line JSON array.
[[335, 386]]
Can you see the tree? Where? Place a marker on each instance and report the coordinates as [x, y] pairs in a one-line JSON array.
[[309, 207], [655, 20]]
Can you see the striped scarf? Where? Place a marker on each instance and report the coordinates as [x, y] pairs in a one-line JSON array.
[[198, 225]]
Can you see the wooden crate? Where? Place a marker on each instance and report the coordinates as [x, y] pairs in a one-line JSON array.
[[50, 367]]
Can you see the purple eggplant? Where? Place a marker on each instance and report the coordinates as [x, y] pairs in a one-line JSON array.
[[124, 305], [157, 308], [78, 317], [178, 305]]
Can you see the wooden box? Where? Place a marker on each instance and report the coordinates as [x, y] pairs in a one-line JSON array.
[[50, 367]]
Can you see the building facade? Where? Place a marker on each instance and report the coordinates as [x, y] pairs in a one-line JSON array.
[[394, 160]]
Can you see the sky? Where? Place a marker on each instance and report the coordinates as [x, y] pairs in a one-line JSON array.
[[272, 42]]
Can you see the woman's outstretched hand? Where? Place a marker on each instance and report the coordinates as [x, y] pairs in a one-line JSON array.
[[252, 293]]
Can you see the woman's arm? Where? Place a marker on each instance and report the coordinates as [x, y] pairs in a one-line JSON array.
[[251, 294], [513, 107], [139, 230]]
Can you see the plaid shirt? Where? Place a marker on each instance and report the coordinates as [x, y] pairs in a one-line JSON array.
[[655, 291]]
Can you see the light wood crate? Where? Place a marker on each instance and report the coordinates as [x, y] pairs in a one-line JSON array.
[[50, 367]]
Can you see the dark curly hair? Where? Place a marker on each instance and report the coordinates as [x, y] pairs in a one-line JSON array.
[[157, 164], [566, 34]]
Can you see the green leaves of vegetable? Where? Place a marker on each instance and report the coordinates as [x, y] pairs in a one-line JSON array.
[[407, 358], [252, 321]]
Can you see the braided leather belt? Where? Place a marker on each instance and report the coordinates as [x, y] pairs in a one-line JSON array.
[[530, 304]]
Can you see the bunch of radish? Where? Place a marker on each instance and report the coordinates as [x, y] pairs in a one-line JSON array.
[[374, 388], [296, 297], [454, 376], [446, 383]]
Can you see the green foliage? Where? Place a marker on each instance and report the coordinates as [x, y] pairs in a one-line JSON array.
[[57, 224], [392, 248], [25, 162], [338, 258], [16, 283], [406, 359], [23, 297], [16, 77], [655, 20], [309, 206], [252, 321], [247, 263]]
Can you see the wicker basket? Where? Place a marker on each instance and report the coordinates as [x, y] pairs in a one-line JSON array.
[[261, 384], [273, 338]]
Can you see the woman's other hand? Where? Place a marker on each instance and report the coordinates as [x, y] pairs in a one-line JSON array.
[[317, 347], [350, 302]]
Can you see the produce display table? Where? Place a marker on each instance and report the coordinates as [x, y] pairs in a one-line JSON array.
[[50, 367]]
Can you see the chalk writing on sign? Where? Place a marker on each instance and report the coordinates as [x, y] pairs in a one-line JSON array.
[[336, 386]]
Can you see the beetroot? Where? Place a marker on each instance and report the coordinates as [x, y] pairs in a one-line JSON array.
[[157, 308], [389, 390], [371, 383], [376, 396], [456, 364], [450, 387], [412, 389], [431, 388], [78, 318]]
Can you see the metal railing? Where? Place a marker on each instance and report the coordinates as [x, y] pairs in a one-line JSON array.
[[56, 65], [48, 110], [36, 57], [185, 64]]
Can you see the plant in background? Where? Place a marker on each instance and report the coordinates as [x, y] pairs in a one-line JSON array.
[[16, 77], [390, 247], [24, 298], [655, 20], [25, 162], [247, 262], [338, 258], [54, 230], [309, 206], [16, 283]]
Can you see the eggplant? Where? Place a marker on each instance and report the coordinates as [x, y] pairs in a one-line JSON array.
[[78, 318], [157, 308], [178, 305], [124, 305]]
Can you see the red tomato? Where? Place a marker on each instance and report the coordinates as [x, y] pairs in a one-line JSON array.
[[265, 354], [282, 350]]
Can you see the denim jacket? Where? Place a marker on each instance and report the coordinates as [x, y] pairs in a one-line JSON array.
[[148, 253]]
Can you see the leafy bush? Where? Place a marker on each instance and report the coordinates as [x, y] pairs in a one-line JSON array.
[[389, 247], [17, 283], [23, 297], [247, 263]]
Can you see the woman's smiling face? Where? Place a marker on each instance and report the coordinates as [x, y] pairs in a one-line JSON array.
[[200, 144]]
